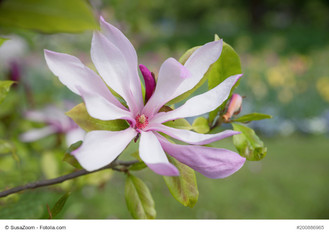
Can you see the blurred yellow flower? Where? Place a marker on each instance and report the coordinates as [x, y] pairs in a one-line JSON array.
[[322, 85], [275, 77]]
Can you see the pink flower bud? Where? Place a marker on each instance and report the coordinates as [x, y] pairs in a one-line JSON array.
[[149, 81], [234, 107]]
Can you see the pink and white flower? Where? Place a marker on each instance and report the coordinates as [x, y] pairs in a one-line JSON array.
[[116, 62], [57, 122]]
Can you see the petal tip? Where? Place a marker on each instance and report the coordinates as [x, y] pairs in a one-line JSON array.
[[166, 169], [48, 52]]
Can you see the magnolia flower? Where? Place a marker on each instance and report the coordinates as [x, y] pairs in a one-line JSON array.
[[116, 62], [57, 122]]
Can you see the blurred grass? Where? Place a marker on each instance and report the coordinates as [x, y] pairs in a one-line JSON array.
[[290, 183]]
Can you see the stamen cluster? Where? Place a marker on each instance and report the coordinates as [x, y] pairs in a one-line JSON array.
[[141, 121]]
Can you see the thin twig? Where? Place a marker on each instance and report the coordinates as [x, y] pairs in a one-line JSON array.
[[63, 178]]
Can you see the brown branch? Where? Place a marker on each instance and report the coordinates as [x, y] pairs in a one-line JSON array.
[[63, 178]]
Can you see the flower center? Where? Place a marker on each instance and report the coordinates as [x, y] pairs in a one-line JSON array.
[[141, 121]]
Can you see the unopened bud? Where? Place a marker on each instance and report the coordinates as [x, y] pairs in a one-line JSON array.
[[234, 107], [15, 71], [149, 81]]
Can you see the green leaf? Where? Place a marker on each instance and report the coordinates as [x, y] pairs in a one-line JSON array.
[[200, 125], [227, 65], [4, 89], [80, 115], [48, 16], [183, 187], [69, 158], [185, 95], [139, 199], [97, 178], [252, 117], [179, 124], [137, 166], [248, 143], [8, 148], [59, 205]]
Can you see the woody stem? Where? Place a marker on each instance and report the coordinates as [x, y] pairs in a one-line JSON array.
[[63, 178]]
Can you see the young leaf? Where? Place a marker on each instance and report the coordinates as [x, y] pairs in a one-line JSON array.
[[97, 178], [200, 125], [227, 65], [252, 117], [71, 159], [80, 115], [59, 205], [187, 54], [139, 199], [137, 166], [183, 187], [48, 16], [4, 89], [8, 148], [49, 165], [2, 40], [179, 124], [248, 143]]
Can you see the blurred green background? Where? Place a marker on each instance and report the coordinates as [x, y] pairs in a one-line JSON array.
[[284, 51]]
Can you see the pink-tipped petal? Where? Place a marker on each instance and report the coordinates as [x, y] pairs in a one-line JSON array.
[[36, 134], [73, 74], [211, 162], [100, 148], [198, 64], [153, 155], [201, 104], [113, 67], [149, 81], [102, 109], [120, 41], [171, 75], [190, 136]]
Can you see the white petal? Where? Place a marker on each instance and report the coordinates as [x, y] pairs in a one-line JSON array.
[[200, 104], [113, 67], [73, 74], [100, 148], [35, 116], [153, 155], [190, 136], [102, 109], [36, 134], [119, 40], [198, 64], [74, 136], [171, 75]]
